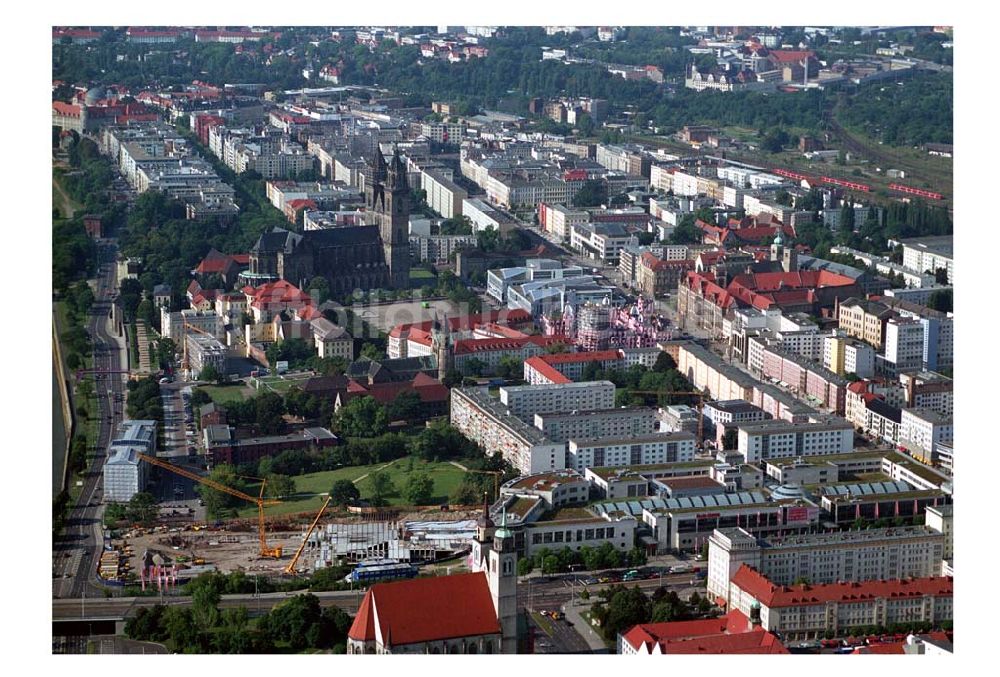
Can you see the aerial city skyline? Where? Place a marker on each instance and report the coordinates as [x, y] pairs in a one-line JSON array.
[[503, 339]]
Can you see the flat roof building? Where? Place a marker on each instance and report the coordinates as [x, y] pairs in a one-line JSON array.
[[851, 556], [774, 439]]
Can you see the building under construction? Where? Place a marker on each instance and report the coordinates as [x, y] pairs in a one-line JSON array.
[[410, 542], [596, 327]]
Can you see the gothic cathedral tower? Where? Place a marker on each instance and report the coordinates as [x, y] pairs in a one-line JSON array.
[[502, 577], [394, 222]]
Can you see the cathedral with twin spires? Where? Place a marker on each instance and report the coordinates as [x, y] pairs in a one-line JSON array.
[[373, 256]]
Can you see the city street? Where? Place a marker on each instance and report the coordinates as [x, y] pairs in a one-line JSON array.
[[74, 554]]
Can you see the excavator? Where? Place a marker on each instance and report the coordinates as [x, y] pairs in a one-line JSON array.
[[260, 501]]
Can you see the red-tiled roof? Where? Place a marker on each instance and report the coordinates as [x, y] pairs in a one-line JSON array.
[[569, 358], [789, 56], [467, 346], [280, 292], [858, 387], [426, 609], [428, 388], [301, 203], [771, 595], [729, 634], [217, 262], [494, 328], [546, 370], [756, 642], [63, 108], [894, 648]]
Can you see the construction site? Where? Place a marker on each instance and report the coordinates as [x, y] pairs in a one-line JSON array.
[[294, 544], [600, 326]]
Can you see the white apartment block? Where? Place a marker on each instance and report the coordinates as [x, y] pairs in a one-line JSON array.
[[930, 253], [489, 424], [443, 195], [684, 183], [620, 452], [443, 132], [859, 359], [661, 178], [438, 249], [780, 439], [559, 219], [921, 431], [601, 241], [904, 343], [526, 401], [124, 473], [941, 518], [483, 216], [812, 611], [851, 556], [596, 424]]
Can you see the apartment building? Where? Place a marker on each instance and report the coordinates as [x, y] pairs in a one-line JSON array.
[[625, 423], [204, 351], [125, 474], [566, 367], [483, 217], [922, 431], [488, 423], [620, 452], [930, 253], [777, 439], [812, 611], [439, 249], [559, 219], [904, 346], [599, 241], [864, 320], [851, 556], [805, 378], [443, 195], [526, 401]]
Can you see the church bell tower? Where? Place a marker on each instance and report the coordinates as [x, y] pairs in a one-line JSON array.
[[502, 578]]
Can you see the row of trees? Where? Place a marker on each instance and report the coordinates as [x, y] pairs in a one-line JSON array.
[[294, 625], [140, 509], [559, 561], [620, 608], [144, 399]]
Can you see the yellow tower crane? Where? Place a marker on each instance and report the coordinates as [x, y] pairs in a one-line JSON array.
[[265, 551]]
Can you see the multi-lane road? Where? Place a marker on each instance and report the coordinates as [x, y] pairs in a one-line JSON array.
[[77, 550]]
